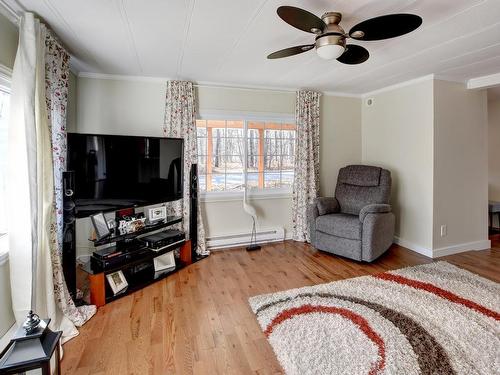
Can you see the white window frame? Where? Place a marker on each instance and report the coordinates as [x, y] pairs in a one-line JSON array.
[[269, 193], [5, 85]]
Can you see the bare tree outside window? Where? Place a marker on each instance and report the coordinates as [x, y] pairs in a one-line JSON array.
[[221, 150]]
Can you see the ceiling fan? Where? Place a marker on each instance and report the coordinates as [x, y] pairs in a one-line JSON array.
[[330, 41]]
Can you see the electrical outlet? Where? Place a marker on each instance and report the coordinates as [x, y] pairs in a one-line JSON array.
[[444, 229]]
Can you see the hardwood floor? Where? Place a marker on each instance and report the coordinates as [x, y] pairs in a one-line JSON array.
[[199, 321]]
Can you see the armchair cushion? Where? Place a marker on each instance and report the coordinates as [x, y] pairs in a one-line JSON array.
[[327, 205], [340, 225], [378, 208]]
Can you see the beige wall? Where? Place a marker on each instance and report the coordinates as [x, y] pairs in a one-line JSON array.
[[136, 107], [72, 100], [397, 133], [8, 42], [432, 135], [494, 149], [340, 143], [460, 166]]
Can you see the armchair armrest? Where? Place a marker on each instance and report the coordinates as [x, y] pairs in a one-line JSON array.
[[374, 209], [327, 205]]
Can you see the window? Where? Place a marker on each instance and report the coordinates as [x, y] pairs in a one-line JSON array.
[[4, 114], [269, 146]]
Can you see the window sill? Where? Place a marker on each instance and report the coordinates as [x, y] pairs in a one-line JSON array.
[[228, 196]]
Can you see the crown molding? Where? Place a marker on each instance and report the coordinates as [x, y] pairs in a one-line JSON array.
[[207, 84], [484, 82], [12, 10], [410, 82]]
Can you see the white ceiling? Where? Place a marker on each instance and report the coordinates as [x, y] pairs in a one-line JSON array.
[[226, 41]]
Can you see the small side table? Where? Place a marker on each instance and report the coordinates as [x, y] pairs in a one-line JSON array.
[[25, 353], [493, 209]]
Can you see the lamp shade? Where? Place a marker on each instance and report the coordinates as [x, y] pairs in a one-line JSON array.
[[330, 51]]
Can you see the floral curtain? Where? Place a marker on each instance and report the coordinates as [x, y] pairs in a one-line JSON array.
[[38, 107], [56, 97], [180, 122], [306, 182]]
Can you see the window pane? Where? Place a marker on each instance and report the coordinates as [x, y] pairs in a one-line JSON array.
[[201, 131], [288, 147], [202, 164], [272, 180], [234, 163], [234, 181], [234, 146], [218, 145], [252, 180], [287, 178], [202, 146], [253, 163], [270, 150], [218, 164], [202, 182], [219, 131], [273, 130], [218, 181], [234, 129], [287, 162], [272, 146]]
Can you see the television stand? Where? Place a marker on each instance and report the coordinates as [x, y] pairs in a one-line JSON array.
[[138, 267]]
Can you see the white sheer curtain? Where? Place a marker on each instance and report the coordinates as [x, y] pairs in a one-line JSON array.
[[180, 122], [30, 189], [306, 181]]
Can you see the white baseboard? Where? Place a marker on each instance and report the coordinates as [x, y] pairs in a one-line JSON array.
[[443, 251], [243, 239], [460, 248], [414, 247]]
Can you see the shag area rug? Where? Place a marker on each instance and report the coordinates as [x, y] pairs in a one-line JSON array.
[[429, 319]]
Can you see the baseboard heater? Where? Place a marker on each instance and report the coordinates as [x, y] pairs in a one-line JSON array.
[[243, 239]]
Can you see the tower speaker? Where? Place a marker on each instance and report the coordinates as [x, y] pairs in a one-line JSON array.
[[69, 232], [193, 208]]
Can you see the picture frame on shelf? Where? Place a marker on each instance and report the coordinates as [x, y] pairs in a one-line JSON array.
[[100, 226], [157, 214], [117, 281]]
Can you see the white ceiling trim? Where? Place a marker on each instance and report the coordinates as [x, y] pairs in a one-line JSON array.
[[484, 82], [400, 85], [209, 84], [11, 9]]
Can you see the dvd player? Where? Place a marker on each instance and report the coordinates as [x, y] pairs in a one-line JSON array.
[[112, 257], [159, 241]]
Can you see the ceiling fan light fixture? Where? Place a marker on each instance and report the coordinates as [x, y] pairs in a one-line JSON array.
[[330, 51]]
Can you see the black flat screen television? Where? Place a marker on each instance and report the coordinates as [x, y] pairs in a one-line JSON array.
[[113, 172]]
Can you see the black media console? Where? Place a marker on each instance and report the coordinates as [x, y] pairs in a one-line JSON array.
[[135, 258]]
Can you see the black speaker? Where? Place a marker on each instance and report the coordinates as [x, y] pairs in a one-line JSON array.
[[193, 208], [69, 232]]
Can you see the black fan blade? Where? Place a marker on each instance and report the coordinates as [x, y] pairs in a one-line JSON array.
[[301, 19], [385, 27], [290, 51], [354, 55]]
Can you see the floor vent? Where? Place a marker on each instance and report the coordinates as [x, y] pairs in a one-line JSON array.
[[243, 239]]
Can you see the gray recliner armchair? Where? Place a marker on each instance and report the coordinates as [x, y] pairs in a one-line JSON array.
[[357, 223]]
